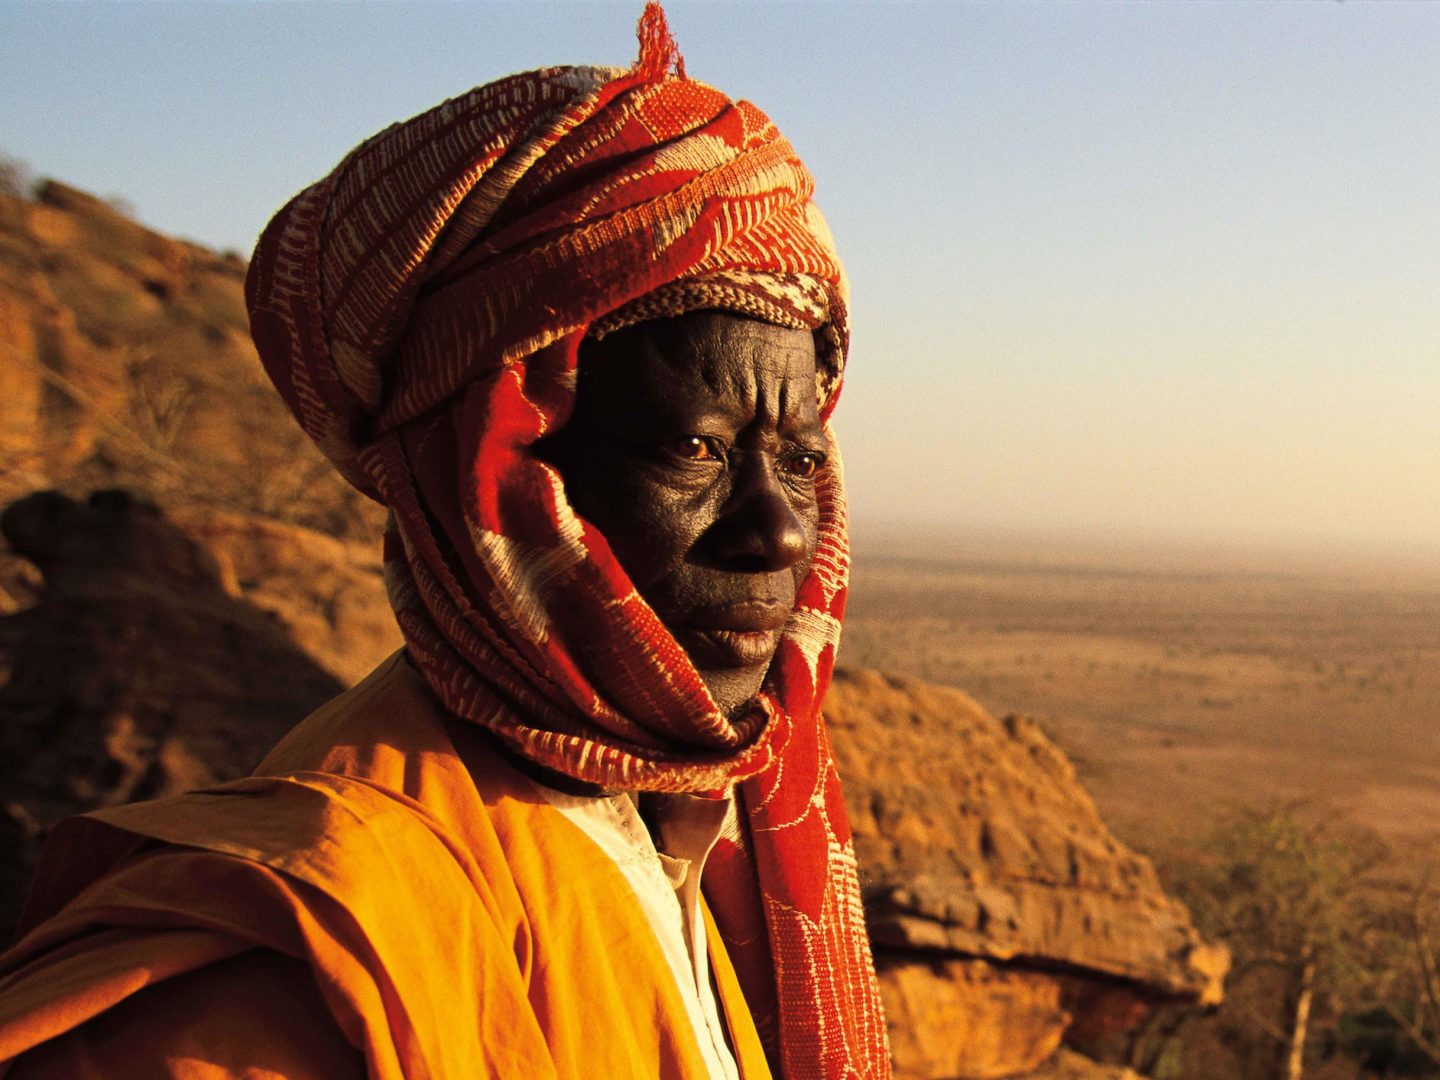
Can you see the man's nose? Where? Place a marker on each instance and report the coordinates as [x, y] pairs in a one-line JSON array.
[[758, 530]]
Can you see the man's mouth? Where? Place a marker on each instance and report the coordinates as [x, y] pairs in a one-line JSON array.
[[742, 634]]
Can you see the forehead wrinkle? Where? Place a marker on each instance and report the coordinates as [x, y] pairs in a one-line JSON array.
[[724, 369], [757, 369], [726, 365], [685, 371], [798, 404]]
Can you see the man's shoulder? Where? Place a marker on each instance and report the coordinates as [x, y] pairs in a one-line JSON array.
[[391, 709], [370, 787]]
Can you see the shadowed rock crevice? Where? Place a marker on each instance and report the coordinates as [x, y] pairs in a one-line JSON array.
[[139, 671]]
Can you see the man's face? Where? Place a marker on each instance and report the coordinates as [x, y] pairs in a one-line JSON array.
[[693, 448]]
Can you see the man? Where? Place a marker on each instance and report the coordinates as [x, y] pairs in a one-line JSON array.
[[581, 331]]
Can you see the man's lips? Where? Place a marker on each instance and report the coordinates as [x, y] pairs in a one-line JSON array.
[[740, 634], [743, 616]]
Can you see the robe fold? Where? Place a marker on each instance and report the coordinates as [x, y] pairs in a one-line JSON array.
[[450, 921]]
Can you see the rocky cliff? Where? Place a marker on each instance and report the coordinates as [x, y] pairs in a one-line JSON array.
[[1005, 916], [161, 636]]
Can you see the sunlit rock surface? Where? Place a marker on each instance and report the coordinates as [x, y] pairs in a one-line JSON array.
[[993, 888]]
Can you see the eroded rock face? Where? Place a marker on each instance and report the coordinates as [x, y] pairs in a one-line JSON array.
[[956, 1017], [994, 889], [126, 361], [327, 593]]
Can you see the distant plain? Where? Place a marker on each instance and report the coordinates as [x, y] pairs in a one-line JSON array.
[[1183, 683]]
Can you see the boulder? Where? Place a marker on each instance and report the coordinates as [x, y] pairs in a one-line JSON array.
[[993, 889]]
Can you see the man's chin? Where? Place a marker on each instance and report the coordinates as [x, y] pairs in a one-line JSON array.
[[734, 688]]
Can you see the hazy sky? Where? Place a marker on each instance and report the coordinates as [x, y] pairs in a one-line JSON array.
[[1156, 268]]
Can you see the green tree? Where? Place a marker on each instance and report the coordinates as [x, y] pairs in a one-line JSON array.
[[1395, 1030], [1285, 888]]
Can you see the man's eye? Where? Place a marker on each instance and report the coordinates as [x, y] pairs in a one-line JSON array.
[[804, 464], [695, 448]]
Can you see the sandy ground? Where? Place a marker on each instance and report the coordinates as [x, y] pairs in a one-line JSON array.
[[1181, 683]]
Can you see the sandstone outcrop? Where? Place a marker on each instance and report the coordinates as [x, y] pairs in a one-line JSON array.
[[1005, 916]]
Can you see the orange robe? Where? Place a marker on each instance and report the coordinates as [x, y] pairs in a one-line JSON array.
[[388, 896]]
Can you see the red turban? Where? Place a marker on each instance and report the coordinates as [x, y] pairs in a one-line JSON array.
[[421, 311]]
